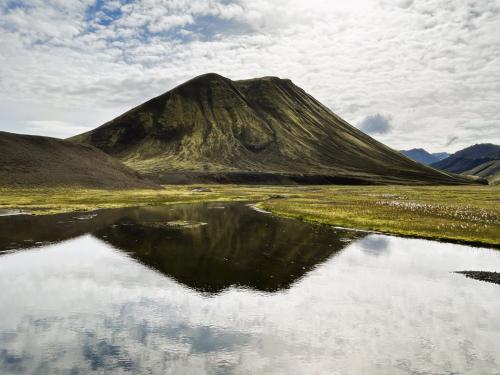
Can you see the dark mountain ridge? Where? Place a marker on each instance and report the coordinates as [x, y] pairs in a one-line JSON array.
[[480, 160], [440, 155], [213, 129], [469, 158]]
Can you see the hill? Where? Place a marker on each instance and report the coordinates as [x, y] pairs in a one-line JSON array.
[[489, 170], [469, 158], [423, 156], [27, 160], [265, 130], [440, 155]]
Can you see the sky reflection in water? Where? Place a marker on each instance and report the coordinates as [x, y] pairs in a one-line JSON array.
[[247, 293]]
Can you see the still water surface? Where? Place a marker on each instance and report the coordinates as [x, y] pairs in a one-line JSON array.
[[235, 291]]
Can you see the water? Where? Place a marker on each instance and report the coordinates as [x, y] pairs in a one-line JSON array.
[[155, 291]]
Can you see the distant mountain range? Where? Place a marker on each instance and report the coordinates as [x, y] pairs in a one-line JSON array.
[[28, 160], [264, 130], [481, 160], [423, 156]]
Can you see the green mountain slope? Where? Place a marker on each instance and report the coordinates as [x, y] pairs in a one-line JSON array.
[[489, 170], [259, 130], [33, 161]]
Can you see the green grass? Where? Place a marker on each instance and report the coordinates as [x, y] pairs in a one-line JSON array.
[[468, 214], [465, 213], [56, 200]]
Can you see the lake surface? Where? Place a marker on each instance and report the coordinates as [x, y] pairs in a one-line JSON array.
[[223, 289]]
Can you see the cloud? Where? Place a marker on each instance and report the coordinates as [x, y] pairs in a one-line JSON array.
[[166, 23], [451, 140], [376, 124], [430, 63], [374, 245]]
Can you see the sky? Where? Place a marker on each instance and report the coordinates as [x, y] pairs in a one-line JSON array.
[[411, 73]]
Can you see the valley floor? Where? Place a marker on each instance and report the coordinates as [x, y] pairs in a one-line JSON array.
[[455, 213]]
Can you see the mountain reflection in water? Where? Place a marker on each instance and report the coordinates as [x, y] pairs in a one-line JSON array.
[[237, 247], [149, 291]]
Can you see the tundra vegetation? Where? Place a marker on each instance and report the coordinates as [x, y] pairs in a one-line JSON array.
[[468, 214]]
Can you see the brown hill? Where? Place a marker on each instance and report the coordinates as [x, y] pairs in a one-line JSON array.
[[259, 130], [33, 161]]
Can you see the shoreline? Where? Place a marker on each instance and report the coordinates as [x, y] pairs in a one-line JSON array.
[[462, 215]]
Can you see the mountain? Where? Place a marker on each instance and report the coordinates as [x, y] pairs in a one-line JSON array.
[[264, 130], [489, 170], [440, 155], [27, 160], [424, 157], [469, 158]]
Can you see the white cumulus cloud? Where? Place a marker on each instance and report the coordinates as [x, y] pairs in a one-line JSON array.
[[434, 65], [376, 124]]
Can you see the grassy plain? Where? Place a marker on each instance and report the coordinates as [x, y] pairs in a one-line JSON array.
[[457, 213]]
